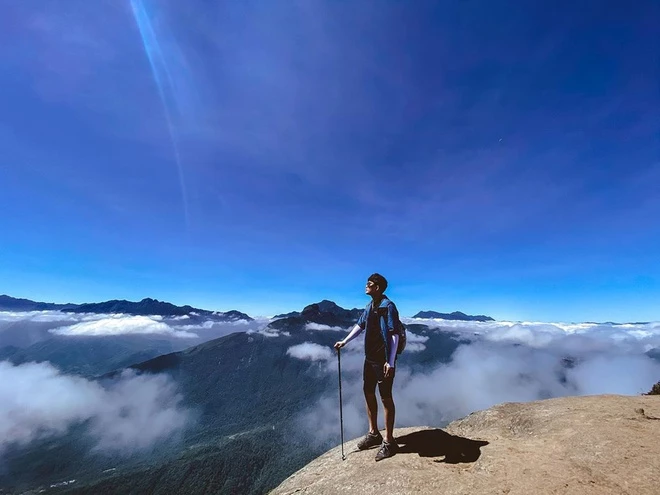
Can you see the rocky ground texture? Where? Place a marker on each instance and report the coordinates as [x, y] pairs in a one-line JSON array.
[[605, 444]]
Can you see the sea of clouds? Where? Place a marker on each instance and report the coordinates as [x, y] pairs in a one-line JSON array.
[[132, 412], [503, 362], [106, 325], [128, 414]]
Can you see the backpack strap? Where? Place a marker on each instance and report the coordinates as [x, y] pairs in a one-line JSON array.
[[382, 311]]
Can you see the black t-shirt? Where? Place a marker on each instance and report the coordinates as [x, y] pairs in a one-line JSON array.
[[374, 345]]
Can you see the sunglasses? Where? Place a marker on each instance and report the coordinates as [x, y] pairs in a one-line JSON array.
[[370, 284]]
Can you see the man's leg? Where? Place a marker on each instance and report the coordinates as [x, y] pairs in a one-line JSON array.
[[385, 389], [369, 389], [373, 438], [389, 446], [388, 405], [372, 411]]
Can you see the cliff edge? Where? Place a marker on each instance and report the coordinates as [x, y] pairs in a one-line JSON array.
[[604, 444]]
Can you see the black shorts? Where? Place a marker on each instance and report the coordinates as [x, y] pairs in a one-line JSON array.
[[374, 375]]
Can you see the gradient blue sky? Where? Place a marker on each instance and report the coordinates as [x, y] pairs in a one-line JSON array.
[[497, 157]]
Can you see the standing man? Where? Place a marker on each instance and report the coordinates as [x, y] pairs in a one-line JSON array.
[[380, 345]]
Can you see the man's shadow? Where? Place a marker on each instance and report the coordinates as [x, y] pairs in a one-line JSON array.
[[436, 443]]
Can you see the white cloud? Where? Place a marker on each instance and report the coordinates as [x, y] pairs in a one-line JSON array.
[[138, 411], [615, 374], [539, 334], [413, 337], [130, 413], [414, 342], [271, 334], [268, 332], [226, 325], [44, 316], [241, 322], [311, 352], [207, 325], [318, 326], [414, 347], [121, 325]]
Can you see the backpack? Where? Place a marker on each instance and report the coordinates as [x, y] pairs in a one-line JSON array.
[[399, 328]]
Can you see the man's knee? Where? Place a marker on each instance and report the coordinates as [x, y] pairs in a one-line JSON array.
[[385, 391], [388, 401], [369, 388]]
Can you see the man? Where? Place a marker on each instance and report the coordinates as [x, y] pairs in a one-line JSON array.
[[380, 346]]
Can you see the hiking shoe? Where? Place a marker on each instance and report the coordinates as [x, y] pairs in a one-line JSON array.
[[386, 450], [370, 440]]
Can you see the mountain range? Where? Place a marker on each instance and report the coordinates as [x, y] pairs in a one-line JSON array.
[[149, 306], [456, 315], [145, 307], [28, 340], [330, 307], [8, 303]]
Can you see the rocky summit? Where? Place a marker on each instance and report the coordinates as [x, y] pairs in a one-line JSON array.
[[605, 444]]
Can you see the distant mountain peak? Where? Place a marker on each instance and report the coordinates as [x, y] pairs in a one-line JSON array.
[[456, 315], [324, 306], [324, 312]]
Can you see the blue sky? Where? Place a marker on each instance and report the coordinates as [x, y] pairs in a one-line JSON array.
[[489, 157]]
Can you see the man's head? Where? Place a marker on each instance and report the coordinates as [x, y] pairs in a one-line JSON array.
[[376, 284]]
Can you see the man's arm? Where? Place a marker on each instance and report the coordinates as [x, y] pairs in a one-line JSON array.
[[355, 331], [393, 336], [388, 367], [394, 345]]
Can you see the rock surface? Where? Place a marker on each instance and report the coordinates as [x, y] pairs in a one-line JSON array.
[[605, 444]]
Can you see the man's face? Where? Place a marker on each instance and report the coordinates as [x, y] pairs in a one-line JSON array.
[[371, 288]]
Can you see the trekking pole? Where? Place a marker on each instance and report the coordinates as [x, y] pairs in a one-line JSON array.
[[341, 417]]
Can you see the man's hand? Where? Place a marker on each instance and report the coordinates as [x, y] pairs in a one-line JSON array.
[[339, 345], [388, 370]]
